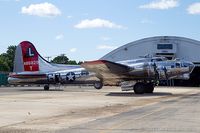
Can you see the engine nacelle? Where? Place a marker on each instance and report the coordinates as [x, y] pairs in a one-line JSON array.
[[184, 76], [127, 85]]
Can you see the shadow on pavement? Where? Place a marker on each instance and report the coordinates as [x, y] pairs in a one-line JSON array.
[[41, 90], [132, 94]]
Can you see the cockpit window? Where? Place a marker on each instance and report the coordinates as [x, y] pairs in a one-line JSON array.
[[185, 64], [140, 60], [84, 72], [157, 59]]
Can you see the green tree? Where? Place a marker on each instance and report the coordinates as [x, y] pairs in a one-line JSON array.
[[3, 63], [11, 55], [80, 62], [72, 62], [61, 59], [7, 59]]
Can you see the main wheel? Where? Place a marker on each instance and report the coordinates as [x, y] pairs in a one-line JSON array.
[[149, 88], [98, 85], [139, 88], [46, 87]]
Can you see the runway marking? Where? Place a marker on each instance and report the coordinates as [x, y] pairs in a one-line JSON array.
[[128, 121]]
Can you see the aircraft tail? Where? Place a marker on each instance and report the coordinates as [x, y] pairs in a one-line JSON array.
[[27, 59]]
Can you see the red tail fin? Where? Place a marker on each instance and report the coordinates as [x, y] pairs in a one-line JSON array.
[[27, 59], [30, 56]]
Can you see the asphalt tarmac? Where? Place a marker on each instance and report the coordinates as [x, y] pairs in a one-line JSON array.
[[86, 110]]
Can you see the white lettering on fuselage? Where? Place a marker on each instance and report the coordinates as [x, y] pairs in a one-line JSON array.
[[31, 63]]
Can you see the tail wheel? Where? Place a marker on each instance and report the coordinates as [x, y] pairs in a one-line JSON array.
[[139, 88], [46, 87], [98, 85], [149, 88]]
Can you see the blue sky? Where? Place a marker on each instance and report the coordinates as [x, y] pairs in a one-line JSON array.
[[89, 29]]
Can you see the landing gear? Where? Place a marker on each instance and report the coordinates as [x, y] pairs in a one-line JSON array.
[[98, 85], [149, 88], [46, 87], [141, 88]]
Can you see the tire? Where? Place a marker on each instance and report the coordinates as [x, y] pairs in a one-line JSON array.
[[139, 88], [149, 88], [46, 87], [98, 85]]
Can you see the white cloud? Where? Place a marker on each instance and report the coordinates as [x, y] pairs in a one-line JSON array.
[[73, 50], [97, 23], [59, 37], [161, 4], [194, 8], [105, 47], [43, 10], [104, 38]]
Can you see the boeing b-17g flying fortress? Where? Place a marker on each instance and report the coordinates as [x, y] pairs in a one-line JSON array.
[[138, 72], [31, 68]]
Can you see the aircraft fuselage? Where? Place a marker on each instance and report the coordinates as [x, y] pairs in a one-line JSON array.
[[163, 69]]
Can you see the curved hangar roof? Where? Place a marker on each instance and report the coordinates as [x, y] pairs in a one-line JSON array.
[[168, 46]]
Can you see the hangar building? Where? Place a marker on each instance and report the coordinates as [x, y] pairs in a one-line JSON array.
[[171, 47]]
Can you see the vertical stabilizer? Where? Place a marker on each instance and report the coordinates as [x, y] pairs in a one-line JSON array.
[[26, 58]]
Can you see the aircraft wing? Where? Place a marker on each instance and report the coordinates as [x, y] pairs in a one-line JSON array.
[[106, 69]]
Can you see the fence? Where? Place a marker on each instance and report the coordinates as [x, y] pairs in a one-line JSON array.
[[3, 79]]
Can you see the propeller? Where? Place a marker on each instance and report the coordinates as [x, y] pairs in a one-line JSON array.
[[156, 72], [157, 76], [165, 71]]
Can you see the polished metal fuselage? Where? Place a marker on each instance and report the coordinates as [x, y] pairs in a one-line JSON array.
[[164, 69]]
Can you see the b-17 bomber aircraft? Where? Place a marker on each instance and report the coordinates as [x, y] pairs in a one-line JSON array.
[[31, 68], [139, 75]]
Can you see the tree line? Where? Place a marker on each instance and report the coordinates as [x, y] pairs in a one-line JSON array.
[[63, 59], [7, 59]]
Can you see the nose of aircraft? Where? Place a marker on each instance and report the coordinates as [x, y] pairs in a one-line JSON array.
[[191, 66]]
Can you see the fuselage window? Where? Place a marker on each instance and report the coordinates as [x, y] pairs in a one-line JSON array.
[[184, 65], [84, 73], [178, 65]]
